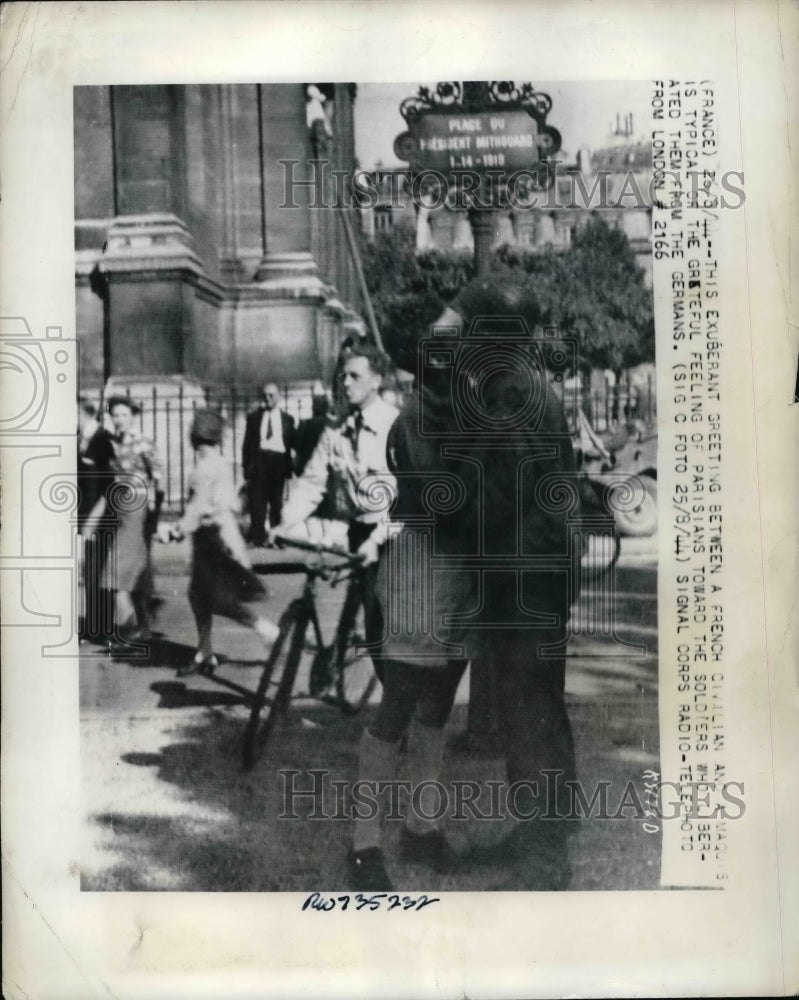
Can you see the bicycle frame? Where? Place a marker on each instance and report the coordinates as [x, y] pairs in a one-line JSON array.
[[328, 666]]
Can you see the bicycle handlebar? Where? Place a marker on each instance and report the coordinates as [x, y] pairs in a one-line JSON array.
[[318, 548]]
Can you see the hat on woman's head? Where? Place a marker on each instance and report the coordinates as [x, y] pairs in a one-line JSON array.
[[118, 400], [207, 427]]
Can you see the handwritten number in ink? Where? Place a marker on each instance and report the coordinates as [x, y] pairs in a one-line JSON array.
[[322, 904], [318, 902]]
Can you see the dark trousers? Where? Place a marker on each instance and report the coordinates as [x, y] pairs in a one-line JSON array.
[[367, 579], [534, 726], [97, 621], [266, 493], [539, 760]]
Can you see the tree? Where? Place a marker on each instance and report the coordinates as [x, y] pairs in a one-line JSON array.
[[594, 291], [409, 291]]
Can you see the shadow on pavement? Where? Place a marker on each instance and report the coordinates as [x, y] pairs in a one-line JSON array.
[[242, 833], [155, 652], [174, 694], [231, 830]]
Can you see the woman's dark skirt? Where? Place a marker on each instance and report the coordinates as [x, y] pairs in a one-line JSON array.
[[219, 583]]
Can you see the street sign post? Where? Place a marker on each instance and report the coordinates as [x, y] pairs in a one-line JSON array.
[[472, 143]]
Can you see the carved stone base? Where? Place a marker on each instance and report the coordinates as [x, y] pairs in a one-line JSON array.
[[153, 242], [294, 273]]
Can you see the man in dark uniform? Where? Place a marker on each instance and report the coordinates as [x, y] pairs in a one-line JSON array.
[[529, 490], [269, 441], [484, 399], [95, 454]]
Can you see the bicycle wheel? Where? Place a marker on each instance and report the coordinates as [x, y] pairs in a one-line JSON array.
[[353, 668], [272, 696]]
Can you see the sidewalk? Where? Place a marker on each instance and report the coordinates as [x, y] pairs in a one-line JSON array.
[[167, 806]]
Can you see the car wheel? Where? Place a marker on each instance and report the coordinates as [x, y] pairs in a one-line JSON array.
[[642, 519]]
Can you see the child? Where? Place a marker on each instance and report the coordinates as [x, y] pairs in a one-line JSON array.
[[221, 579]]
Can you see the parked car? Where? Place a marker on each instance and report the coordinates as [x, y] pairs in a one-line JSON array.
[[631, 449]]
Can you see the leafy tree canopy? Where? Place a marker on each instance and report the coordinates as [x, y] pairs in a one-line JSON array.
[[593, 291]]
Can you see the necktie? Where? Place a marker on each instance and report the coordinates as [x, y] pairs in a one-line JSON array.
[[358, 427], [269, 426]]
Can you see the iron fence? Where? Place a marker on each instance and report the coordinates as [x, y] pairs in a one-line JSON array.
[[165, 417], [167, 411], [609, 407]]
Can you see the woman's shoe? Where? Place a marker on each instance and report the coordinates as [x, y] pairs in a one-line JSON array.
[[209, 665], [141, 635], [199, 666], [128, 642]]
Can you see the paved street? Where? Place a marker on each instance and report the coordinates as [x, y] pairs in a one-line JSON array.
[[167, 806]]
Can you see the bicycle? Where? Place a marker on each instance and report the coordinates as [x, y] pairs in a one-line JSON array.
[[335, 667]]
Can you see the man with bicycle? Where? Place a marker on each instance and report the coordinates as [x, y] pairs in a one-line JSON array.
[[348, 469]]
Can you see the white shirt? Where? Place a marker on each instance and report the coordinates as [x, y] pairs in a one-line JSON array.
[[275, 442], [359, 483]]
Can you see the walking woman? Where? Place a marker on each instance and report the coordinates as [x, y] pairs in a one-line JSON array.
[[222, 582], [134, 498]]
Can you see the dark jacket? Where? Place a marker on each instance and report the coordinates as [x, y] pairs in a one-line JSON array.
[[491, 498], [307, 438], [252, 441], [94, 471]]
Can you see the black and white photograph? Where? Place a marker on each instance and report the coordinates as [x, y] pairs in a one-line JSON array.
[[398, 451], [368, 371]]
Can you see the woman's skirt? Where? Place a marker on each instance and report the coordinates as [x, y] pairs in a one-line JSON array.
[[128, 564], [221, 585]]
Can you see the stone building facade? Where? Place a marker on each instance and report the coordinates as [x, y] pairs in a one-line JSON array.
[[191, 261], [625, 170]]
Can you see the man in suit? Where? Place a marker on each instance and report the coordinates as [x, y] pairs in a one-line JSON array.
[[95, 454], [267, 461]]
